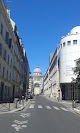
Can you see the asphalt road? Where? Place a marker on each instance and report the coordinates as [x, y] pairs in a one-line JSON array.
[[41, 116]]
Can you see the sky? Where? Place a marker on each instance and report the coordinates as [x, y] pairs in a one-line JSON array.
[[41, 24]]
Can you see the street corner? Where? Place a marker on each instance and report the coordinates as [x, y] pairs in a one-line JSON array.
[[21, 108], [17, 109]]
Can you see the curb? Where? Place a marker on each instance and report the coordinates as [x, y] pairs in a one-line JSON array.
[[16, 110]]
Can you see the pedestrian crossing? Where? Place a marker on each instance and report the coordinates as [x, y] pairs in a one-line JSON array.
[[64, 109], [39, 107], [56, 108], [31, 106], [48, 107]]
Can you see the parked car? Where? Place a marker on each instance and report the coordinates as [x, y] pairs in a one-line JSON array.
[[30, 96]]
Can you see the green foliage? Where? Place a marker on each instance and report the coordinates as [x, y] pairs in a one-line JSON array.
[[77, 71]]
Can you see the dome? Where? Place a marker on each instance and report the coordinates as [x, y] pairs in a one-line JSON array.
[[37, 70], [75, 30]]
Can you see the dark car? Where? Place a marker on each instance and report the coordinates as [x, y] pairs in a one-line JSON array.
[[29, 96]]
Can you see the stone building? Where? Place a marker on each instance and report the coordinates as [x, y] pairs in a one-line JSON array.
[[51, 78], [36, 81], [13, 62], [7, 40]]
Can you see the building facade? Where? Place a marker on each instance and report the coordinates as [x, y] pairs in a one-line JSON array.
[[12, 58], [58, 77], [6, 54], [69, 52], [26, 74], [36, 81], [51, 78]]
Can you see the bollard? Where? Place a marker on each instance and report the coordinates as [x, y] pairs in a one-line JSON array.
[[9, 106], [16, 99], [23, 100], [19, 101], [16, 102], [73, 104]]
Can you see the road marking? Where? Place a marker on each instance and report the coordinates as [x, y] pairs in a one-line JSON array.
[[64, 109], [31, 106], [18, 128], [24, 115], [32, 101], [48, 107], [20, 122], [24, 125], [14, 125], [19, 125], [39, 106], [56, 108]]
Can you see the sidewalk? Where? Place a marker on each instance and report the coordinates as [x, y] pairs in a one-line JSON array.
[[13, 107], [68, 104]]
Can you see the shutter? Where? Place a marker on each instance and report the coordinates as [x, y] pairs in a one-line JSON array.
[[7, 37], [0, 49], [10, 42]]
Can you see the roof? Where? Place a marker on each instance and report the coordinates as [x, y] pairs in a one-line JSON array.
[[37, 70]]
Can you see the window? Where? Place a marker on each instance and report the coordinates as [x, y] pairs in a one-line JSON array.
[[1, 29], [64, 44], [61, 45], [7, 37], [0, 49], [8, 59], [0, 70], [68, 42], [74, 41], [10, 76], [11, 62], [4, 56], [10, 42], [7, 75], [3, 71]]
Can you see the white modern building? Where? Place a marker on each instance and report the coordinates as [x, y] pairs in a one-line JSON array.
[[69, 52], [60, 69]]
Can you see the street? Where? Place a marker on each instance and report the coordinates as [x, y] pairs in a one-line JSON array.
[[41, 116]]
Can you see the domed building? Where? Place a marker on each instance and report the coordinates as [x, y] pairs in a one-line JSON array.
[[36, 81]]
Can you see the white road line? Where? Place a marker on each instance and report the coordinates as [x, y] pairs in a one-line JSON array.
[[39, 106], [20, 122], [48, 107], [31, 106], [56, 108], [64, 109], [32, 101], [25, 115]]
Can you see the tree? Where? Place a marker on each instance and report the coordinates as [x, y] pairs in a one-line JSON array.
[[77, 70]]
